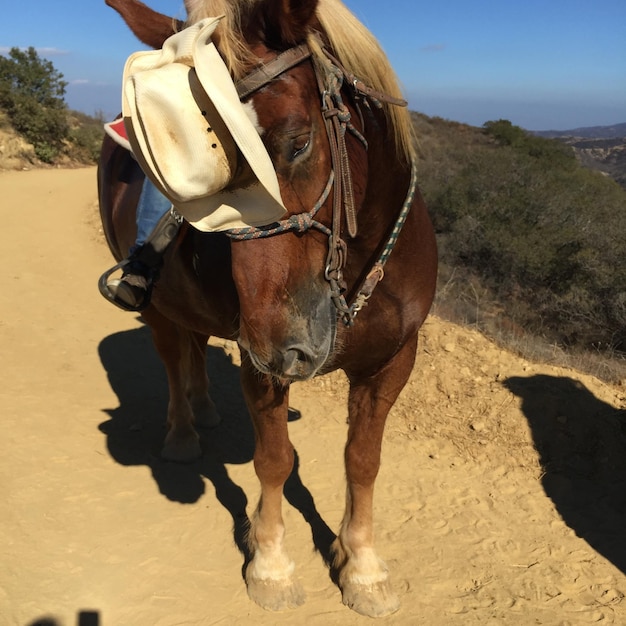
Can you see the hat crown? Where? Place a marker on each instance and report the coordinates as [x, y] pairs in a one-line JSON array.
[[187, 126]]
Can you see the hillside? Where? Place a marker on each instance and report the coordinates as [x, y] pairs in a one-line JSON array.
[[15, 152], [601, 148], [604, 155], [531, 243], [81, 147]]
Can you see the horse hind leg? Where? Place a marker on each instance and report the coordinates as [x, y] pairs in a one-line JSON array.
[[197, 383], [362, 576], [182, 353]]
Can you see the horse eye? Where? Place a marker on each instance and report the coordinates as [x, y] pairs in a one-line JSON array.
[[299, 146]]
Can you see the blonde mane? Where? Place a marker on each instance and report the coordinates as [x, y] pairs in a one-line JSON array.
[[356, 48]]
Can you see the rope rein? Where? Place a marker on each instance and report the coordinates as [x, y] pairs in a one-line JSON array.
[[377, 273], [299, 223]]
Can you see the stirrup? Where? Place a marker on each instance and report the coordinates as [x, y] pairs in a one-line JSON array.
[[150, 255], [103, 286]]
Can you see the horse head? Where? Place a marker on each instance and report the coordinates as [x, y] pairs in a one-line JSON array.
[[287, 318]]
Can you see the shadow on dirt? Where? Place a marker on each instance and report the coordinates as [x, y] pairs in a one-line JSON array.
[[136, 430], [84, 618], [581, 443]]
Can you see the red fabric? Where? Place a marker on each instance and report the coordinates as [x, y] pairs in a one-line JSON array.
[[118, 127]]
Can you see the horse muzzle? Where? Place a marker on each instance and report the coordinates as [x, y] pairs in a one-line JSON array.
[[291, 362], [300, 352], [295, 362]]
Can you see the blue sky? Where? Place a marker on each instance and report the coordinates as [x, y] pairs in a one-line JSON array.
[[543, 64]]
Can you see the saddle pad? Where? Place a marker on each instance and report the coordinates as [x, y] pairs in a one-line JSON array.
[[117, 131]]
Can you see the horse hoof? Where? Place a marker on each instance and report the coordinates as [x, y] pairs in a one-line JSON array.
[[181, 450], [375, 600], [275, 595], [205, 414]]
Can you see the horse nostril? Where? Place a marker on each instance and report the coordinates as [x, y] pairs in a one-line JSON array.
[[296, 361]]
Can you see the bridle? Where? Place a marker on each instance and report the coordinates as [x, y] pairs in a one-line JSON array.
[[337, 118]]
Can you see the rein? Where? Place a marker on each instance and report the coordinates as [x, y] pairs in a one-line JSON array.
[[337, 121]]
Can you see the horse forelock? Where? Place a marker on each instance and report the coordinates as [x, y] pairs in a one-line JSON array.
[[353, 44]]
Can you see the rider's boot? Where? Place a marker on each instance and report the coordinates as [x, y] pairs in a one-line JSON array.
[[132, 292]]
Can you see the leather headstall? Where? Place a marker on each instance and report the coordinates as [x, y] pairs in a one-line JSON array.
[[337, 120]]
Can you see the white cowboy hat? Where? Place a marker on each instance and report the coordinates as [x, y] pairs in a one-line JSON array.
[[186, 127]]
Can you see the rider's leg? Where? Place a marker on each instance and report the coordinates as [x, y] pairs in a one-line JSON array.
[[156, 227], [152, 206]]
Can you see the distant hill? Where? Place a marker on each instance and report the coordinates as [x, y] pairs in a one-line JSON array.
[[601, 148], [605, 155], [589, 132]]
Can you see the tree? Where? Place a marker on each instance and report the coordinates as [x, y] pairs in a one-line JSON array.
[[550, 150], [505, 133], [31, 93]]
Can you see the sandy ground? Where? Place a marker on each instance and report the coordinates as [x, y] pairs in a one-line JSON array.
[[501, 499]]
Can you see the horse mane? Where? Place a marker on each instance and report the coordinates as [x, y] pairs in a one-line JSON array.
[[353, 44]]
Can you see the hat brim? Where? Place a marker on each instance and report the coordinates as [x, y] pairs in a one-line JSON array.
[[223, 210]]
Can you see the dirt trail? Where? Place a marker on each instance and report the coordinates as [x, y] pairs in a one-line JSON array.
[[95, 529]]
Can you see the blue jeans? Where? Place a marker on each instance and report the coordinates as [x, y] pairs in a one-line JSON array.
[[152, 206]]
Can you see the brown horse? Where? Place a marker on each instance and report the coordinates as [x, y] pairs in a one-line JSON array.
[[290, 294]]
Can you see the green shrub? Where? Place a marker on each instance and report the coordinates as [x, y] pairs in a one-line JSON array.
[[31, 93], [545, 237], [85, 136]]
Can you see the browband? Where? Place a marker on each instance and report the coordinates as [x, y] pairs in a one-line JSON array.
[[266, 73]]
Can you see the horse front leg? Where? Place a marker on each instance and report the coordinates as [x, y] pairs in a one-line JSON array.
[[269, 574], [363, 576]]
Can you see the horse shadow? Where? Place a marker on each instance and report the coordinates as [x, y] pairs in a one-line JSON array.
[[136, 429], [581, 442]]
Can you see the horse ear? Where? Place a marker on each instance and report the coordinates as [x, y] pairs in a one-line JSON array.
[[288, 21], [148, 26]]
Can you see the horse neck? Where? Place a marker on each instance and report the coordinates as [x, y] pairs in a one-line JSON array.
[[388, 178]]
